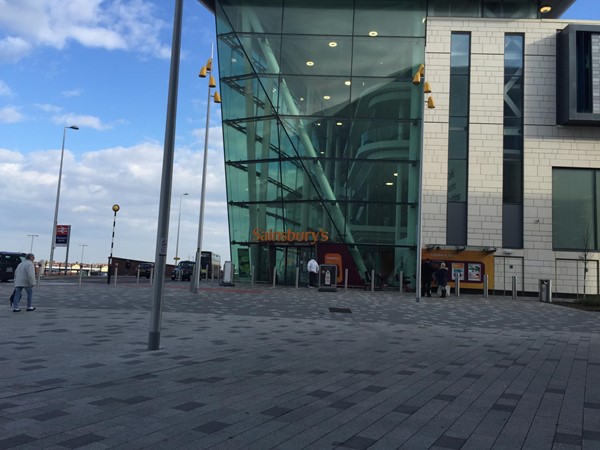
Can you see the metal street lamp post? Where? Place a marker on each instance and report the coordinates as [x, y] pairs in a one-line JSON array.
[[194, 287], [32, 236], [178, 227], [162, 233], [62, 154], [115, 209]]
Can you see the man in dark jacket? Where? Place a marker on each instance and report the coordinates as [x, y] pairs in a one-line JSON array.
[[426, 277]]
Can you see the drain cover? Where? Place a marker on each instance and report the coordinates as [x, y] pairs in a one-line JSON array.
[[340, 310]]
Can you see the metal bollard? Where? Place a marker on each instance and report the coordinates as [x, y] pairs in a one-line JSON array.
[[457, 284], [297, 276], [274, 275], [485, 286], [401, 278], [252, 276], [514, 287], [152, 275], [372, 281], [115, 273], [137, 276], [80, 275], [345, 279]]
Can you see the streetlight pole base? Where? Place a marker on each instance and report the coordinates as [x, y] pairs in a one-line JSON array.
[[154, 340]]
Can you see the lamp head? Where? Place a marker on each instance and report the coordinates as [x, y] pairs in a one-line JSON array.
[[422, 69], [217, 97], [115, 208], [202, 73], [544, 9], [209, 65], [430, 103], [416, 79], [427, 88], [73, 127], [211, 82]]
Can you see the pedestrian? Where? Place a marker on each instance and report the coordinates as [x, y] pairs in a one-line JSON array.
[[426, 278], [313, 271], [441, 277], [24, 279]]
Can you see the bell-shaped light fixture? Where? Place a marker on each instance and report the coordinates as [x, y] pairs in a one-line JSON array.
[[427, 88], [217, 97], [211, 82], [417, 79], [202, 73], [422, 69], [209, 65], [430, 103]]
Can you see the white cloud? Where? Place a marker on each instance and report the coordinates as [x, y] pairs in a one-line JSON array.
[[81, 120], [5, 90], [93, 182], [13, 49], [46, 107], [130, 25], [72, 93], [10, 114]]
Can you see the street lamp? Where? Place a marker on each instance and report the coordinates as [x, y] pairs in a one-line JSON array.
[[178, 226], [83, 246], [32, 236], [115, 209], [430, 105], [217, 99], [62, 154]]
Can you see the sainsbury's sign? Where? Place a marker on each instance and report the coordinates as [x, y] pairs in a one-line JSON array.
[[311, 237]]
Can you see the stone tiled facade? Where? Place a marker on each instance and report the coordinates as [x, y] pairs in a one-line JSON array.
[[546, 145]]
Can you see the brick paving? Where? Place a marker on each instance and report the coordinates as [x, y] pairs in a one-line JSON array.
[[260, 367]]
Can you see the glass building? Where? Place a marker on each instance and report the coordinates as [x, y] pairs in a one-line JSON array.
[[323, 129]]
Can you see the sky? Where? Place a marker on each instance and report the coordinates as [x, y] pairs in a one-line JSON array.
[[103, 65]]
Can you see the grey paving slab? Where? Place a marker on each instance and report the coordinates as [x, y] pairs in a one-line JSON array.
[[259, 367]]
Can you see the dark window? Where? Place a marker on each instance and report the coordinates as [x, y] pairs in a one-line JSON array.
[[512, 181]]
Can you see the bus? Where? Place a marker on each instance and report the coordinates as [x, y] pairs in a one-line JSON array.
[[212, 262]]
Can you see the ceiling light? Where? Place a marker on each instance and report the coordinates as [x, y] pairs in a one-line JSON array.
[[327, 97], [389, 183], [301, 99], [373, 33], [395, 174], [333, 44], [347, 82], [310, 63], [545, 9], [339, 124]]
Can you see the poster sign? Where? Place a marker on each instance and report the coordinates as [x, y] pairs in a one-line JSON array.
[[63, 234], [458, 271], [474, 272]]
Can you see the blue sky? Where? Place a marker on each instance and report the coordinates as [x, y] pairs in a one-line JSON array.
[[104, 65]]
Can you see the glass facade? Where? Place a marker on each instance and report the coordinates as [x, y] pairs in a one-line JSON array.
[[575, 207], [322, 131]]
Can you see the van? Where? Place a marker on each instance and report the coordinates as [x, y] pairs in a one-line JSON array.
[[8, 264]]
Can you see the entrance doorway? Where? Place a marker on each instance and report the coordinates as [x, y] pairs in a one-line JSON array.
[[286, 259]]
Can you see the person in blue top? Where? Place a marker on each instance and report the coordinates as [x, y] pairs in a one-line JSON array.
[[441, 276]]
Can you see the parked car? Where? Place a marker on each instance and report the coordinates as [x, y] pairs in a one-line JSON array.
[[8, 263], [145, 269], [183, 271]]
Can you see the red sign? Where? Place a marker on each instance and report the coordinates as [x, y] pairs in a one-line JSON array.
[[63, 233]]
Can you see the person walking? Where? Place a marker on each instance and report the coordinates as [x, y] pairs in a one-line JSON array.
[[313, 271], [441, 277], [24, 279], [426, 278]]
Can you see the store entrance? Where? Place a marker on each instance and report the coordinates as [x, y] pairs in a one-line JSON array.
[[286, 259]]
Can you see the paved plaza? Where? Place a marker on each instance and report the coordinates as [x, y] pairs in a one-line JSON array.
[[256, 367]]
